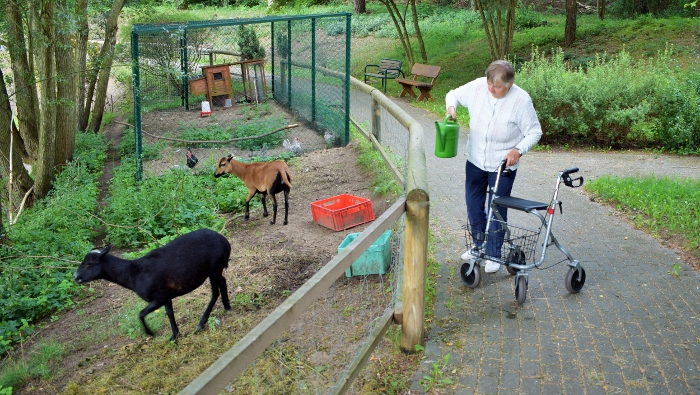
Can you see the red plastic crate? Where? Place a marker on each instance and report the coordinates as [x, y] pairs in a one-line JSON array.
[[342, 211]]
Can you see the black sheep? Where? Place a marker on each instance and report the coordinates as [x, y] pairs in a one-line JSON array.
[[167, 272]]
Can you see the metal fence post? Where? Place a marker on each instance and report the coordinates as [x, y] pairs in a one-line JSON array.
[[137, 101]]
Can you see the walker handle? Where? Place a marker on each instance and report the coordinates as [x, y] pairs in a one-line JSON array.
[[502, 169]]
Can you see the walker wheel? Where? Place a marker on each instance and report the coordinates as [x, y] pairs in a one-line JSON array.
[[521, 289], [472, 279], [574, 282]]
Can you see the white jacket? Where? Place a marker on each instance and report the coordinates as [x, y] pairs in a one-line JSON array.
[[496, 126]]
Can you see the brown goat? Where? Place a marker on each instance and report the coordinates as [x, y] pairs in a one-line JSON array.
[[266, 178]]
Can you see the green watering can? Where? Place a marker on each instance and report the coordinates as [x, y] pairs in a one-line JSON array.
[[446, 138]]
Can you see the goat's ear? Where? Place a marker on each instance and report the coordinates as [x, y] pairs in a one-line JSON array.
[[105, 250], [229, 157]]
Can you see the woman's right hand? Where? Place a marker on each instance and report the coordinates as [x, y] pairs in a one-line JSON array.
[[451, 113]]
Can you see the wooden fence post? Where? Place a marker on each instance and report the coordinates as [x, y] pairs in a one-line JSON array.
[[376, 119], [415, 262]]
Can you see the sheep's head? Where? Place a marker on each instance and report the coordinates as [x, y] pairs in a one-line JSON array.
[[91, 267], [222, 168]]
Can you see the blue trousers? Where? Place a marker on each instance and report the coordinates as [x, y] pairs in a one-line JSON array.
[[476, 188]]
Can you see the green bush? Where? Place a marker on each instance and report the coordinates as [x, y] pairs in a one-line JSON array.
[[258, 127], [36, 277], [249, 44], [156, 207], [162, 206], [207, 133], [127, 146], [615, 103]]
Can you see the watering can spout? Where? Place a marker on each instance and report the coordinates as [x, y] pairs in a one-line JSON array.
[[446, 138]]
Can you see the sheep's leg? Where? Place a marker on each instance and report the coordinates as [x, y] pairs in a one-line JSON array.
[[263, 199], [247, 201], [171, 316], [153, 306], [286, 205], [224, 293], [274, 209], [215, 281]]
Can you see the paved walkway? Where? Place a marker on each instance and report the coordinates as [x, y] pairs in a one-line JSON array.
[[633, 329]]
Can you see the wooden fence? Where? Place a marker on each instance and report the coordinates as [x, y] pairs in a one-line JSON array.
[[409, 312]]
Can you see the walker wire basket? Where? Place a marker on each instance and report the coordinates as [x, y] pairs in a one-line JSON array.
[[518, 244]]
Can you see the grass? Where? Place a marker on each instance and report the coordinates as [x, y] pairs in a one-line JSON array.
[[668, 208], [370, 160], [18, 372]]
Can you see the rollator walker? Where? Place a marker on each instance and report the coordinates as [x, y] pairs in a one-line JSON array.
[[519, 244]]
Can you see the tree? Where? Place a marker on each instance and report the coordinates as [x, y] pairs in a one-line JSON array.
[[47, 41], [25, 94], [601, 9], [11, 149], [499, 33], [106, 57], [359, 7], [570, 27], [66, 88], [399, 20], [249, 44]]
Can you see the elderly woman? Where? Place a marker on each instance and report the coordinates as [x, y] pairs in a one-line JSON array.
[[503, 125]]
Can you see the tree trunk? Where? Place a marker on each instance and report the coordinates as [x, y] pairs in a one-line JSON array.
[[400, 24], [21, 181], [601, 9], [66, 84], [498, 34], [359, 7], [103, 78], [91, 76], [81, 59], [570, 28], [45, 55], [419, 36], [510, 26], [24, 84]]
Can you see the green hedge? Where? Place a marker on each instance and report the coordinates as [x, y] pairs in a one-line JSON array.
[[615, 102]]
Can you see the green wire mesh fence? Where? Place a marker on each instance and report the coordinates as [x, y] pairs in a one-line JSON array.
[[225, 80]]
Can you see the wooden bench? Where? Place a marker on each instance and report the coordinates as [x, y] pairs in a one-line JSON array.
[[421, 74], [387, 69]]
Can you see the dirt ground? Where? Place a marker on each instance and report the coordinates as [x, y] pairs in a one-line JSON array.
[[267, 262]]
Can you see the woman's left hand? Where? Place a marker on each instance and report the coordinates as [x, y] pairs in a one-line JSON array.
[[512, 158]]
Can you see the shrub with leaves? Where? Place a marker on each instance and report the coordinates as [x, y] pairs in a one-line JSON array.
[[38, 260], [249, 44], [158, 206], [127, 146], [257, 127], [614, 102], [207, 133]]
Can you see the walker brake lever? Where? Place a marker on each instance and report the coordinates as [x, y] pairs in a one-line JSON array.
[[569, 182]]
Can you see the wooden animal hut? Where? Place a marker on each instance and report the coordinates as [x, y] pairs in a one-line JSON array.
[[216, 84]]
